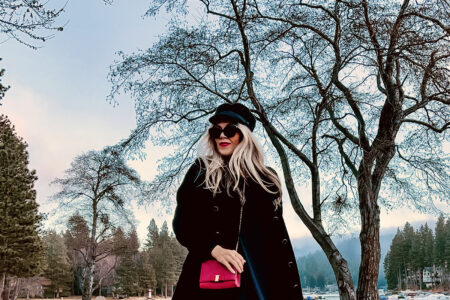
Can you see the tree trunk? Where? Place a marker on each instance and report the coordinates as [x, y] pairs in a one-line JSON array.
[[16, 289], [88, 279], [421, 279], [5, 293], [369, 236], [100, 287], [338, 263], [2, 284]]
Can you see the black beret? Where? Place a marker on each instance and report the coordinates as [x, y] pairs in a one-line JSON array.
[[235, 111]]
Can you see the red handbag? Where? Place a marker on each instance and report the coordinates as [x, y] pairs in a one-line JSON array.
[[214, 275]]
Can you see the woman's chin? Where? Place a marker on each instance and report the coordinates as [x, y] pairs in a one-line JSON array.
[[225, 155]]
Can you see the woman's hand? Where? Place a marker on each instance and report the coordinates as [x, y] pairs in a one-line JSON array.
[[228, 258]]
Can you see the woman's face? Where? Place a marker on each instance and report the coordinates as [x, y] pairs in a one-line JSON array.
[[226, 145]]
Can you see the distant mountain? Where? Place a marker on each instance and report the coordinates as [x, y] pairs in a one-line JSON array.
[[305, 245]]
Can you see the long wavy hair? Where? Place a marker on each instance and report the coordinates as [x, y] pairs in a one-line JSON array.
[[246, 162]]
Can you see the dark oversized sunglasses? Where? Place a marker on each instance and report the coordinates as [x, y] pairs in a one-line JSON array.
[[229, 131]]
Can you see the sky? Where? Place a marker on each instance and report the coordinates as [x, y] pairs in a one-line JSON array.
[[57, 102]]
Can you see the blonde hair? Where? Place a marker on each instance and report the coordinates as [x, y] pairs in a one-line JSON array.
[[246, 161]]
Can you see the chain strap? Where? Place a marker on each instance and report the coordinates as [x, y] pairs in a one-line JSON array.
[[240, 216]]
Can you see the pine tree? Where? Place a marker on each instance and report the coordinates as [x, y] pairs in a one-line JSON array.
[[179, 256], [128, 272], [439, 244], [120, 242], [428, 239], [21, 248], [132, 242], [58, 266], [147, 276], [417, 262], [152, 235], [128, 277], [394, 262], [446, 255]]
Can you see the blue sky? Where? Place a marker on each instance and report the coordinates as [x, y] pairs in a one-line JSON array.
[[57, 99]]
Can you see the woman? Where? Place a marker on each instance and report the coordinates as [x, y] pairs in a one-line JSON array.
[[228, 173]]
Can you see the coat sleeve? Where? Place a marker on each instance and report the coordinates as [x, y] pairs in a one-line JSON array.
[[187, 223]]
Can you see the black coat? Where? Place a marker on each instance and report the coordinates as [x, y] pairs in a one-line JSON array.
[[201, 222]]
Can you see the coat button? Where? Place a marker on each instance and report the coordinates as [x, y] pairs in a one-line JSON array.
[[284, 241], [290, 264], [217, 232], [276, 218], [215, 208], [295, 286]]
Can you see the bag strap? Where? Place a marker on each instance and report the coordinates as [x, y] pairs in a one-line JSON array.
[[240, 216]]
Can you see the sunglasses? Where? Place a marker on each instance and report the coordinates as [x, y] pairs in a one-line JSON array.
[[229, 131]]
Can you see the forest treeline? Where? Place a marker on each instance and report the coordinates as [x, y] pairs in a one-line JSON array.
[[419, 259], [127, 269]]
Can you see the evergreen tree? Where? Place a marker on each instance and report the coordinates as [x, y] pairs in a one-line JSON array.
[[446, 257], [120, 242], [57, 268], [127, 272], [128, 277], [440, 241], [416, 261], [152, 235], [321, 281], [446, 254], [428, 240], [132, 242], [179, 256], [412, 251], [394, 263], [146, 272], [21, 248]]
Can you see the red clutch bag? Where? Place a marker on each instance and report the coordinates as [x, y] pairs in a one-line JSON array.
[[214, 275]]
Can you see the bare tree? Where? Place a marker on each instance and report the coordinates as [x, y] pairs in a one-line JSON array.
[[105, 272], [28, 21], [99, 185], [332, 89]]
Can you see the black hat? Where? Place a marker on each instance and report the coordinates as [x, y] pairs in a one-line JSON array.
[[235, 111]]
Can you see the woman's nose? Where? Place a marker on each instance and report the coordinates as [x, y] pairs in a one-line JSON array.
[[222, 135]]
